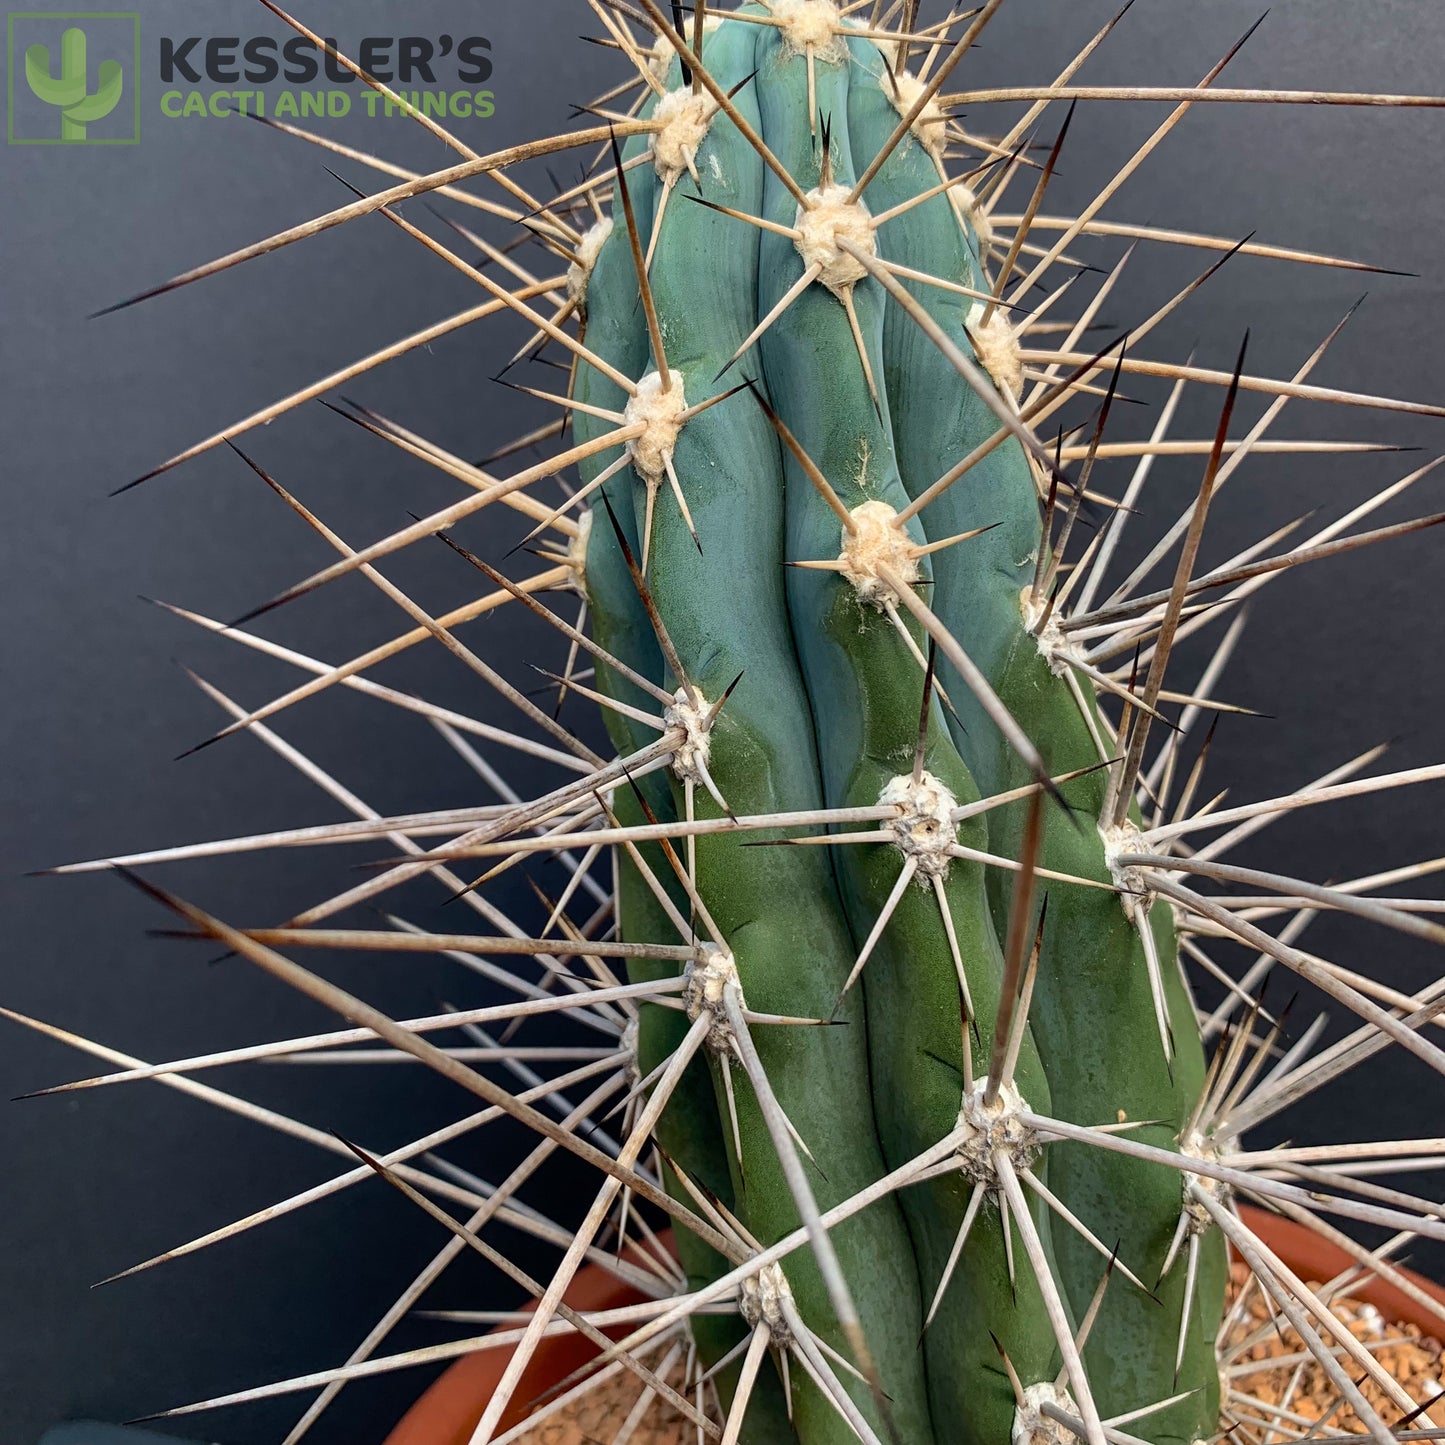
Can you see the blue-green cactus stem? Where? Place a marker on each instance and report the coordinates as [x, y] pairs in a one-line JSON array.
[[690, 1130], [1093, 1011], [823, 676], [864, 684], [724, 610]]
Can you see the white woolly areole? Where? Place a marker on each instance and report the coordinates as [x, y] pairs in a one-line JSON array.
[[997, 348], [689, 757], [682, 120], [1119, 839], [1053, 641], [1195, 1145], [810, 25], [931, 124], [761, 1298], [579, 273], [981, 223], [661, 413], [877, 540], [1136, 898], [577, 554], [924, 829], [706, 983], [988, 1128], [1032, 1427], [827, 216]]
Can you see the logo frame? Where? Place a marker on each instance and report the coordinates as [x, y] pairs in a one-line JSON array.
[[13, 82]]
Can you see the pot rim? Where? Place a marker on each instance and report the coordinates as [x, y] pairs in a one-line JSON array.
[[447, 1412]]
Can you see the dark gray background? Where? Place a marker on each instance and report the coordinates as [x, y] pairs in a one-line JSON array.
[[1345, 655]]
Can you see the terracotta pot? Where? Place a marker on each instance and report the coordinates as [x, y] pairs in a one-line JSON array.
[[448, 1412], [1313, 1258]]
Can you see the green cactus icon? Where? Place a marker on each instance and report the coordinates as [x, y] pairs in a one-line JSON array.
[[68, 90]]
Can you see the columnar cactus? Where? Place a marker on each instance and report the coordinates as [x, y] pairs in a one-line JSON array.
[[851, 413], [891, 964]]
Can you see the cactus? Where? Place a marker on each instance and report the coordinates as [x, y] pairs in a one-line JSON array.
[[891, 967], [78, 106]]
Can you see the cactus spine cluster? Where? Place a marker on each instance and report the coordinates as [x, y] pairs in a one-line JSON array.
[[883, 977]]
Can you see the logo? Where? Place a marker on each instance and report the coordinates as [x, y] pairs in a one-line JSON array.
[[73, 78]]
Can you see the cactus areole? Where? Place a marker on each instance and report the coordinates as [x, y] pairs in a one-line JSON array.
[[754, 551]]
